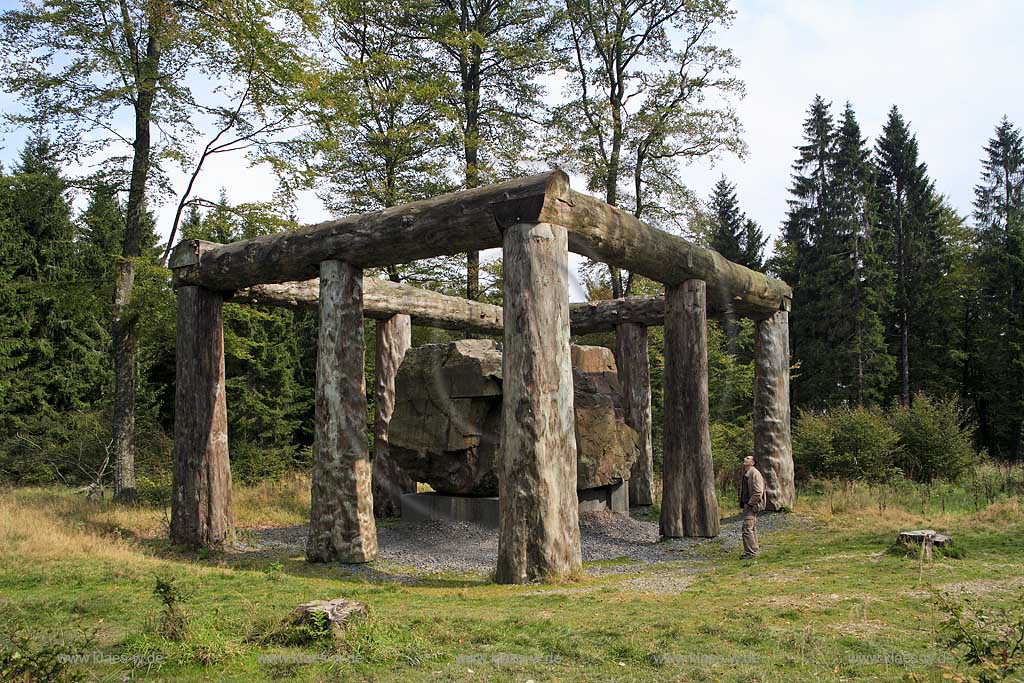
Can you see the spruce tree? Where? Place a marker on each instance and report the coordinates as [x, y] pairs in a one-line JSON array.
[[727, 221], [862, 279], [908, 215], [802, 263], [999, 217], [732, 234]]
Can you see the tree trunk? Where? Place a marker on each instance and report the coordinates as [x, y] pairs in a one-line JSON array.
[[635, 377], [773, 448], [123, 346], [394, 337], [689, 505], [123, 319], [201, 498], [341, 526], [539, 534]]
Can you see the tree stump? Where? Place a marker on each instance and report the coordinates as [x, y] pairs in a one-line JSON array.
[[394, 337], [773, 448], [635, 378], [539, 534], [341, 525], [201, 498], [689, 505]]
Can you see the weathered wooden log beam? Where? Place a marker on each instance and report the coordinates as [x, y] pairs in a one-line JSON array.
[[689, 505], [635, 376], [606, 233], [383, 299], [539, 533], [447, 224], [773, 448], [472, 220], [394, 337], [201, 493], [341, 524]]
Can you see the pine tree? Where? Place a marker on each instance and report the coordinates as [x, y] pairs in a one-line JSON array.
[[999, 216]]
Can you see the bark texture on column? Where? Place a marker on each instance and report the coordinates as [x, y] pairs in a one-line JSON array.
[[394, 337], [539, 533], [201, 499], [689, 506], [773, 448], [341, 527], [635, 377]]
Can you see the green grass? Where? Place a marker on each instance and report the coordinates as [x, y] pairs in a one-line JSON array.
[[824, 602]]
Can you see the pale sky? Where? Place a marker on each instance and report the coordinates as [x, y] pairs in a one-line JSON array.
[[952, 67]]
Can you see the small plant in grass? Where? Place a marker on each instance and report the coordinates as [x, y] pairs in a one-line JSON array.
[[21, 660], [173, 619], [990, 641]]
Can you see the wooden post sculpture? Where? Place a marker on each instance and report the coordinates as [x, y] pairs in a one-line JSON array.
[[539, 533], [201, 502], [689, 506], [341, 527], [773, 448], [635, 377], [394, 337]]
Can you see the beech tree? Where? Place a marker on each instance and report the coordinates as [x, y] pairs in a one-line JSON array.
[[82, 69], [493, 51], [647, 90]]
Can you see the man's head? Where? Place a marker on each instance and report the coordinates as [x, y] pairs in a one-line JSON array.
[[748, 462]]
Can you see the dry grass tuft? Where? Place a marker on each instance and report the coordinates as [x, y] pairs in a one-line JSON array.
[[273, 503], [48, 524]]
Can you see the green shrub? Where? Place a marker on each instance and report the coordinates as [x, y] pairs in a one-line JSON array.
[[936, 441], [730, 442], [846, 443], [174, 622], [989, 641]]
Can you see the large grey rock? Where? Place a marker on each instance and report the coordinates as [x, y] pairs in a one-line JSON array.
[[446, 426]]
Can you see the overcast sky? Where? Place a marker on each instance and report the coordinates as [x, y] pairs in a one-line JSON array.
[[952, 67]]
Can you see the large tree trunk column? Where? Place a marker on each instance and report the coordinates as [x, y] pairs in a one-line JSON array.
[[539, 534], [773, 448], [341, 526], [689, 506], [635, 377], [201, 499], [394, 337]]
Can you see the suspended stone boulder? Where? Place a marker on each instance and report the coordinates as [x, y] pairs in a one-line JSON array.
[[446, 426]]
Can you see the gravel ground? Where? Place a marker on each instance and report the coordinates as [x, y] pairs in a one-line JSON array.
[[408, 551]]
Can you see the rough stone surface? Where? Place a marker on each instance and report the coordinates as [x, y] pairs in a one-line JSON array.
[[446, 425], [409, 552], [338, 612]]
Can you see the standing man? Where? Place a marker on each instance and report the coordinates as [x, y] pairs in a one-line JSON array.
[[752, 501]]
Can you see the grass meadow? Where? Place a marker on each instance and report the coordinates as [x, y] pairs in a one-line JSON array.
[[825, 602]]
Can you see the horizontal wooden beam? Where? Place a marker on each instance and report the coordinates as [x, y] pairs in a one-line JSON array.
[[606, 233], [473, 220], [447, 224], [383, 299]]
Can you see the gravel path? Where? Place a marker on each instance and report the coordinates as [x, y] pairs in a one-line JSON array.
[[408, 551]]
